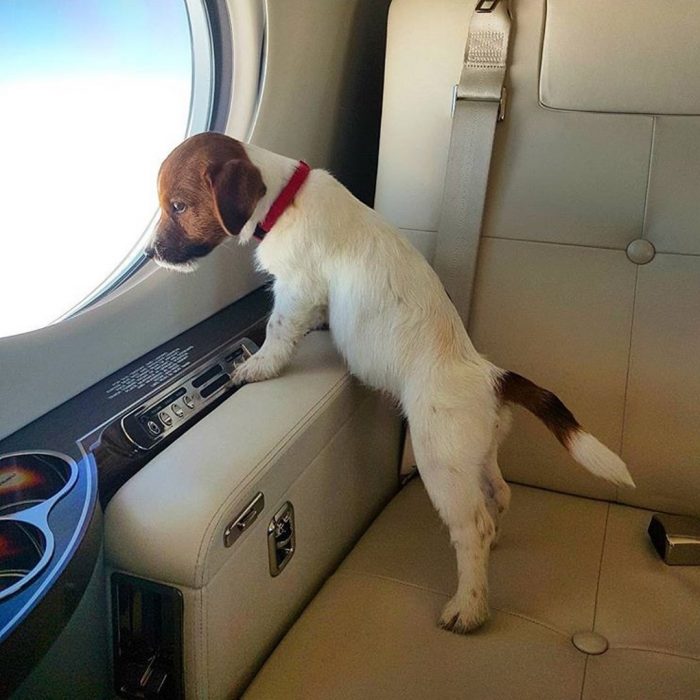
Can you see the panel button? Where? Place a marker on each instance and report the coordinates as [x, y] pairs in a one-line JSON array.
[[177, 410], [153, 427], [187, 400], [165, 418]]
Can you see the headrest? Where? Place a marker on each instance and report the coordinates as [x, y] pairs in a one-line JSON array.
[[629, 56]]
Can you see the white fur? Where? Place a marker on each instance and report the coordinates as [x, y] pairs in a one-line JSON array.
[[598, 459], [398, 331]]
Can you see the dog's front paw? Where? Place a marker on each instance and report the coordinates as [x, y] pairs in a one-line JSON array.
[[257, 368], [461, 617]]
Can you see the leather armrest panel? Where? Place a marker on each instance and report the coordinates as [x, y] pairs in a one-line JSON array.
[[167, 522]]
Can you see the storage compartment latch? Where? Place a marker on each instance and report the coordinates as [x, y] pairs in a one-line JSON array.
[[676, 539], [243, 520], [281, 538]]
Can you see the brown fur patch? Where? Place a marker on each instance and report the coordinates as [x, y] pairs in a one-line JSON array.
[[213, 179], [544, 404]]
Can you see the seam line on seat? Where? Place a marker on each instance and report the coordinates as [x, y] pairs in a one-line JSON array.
[[600, 565], [418, 587], [527, 618], [652, 650], [629, 347], [597, 589], [569, 244], [569, 494], [583, 676], [382, 577]]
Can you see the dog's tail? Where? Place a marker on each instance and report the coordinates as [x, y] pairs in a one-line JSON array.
[[582, 446]]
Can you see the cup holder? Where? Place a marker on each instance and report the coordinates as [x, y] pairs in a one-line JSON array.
[[27, 480], [22, 554]]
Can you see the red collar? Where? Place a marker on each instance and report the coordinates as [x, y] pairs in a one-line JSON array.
[[284, 199]]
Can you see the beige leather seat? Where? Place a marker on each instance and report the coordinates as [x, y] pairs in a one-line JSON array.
[[598, 154], [565, 564]]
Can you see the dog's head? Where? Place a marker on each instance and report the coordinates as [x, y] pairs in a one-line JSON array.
[[208, 188]]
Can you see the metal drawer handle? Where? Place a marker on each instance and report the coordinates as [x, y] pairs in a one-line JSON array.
[[243, 520]]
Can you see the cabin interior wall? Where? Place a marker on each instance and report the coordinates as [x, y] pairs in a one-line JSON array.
[[320, 102]]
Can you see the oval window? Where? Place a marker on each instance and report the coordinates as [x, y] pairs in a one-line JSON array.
[[95, 93]]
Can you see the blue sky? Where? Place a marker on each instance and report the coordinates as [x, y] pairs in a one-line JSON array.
[[84, 36], [98, 92]]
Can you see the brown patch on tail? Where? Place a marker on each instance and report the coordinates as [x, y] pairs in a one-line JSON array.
[[544, 404]]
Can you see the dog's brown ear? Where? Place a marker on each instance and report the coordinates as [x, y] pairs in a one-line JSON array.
[[236, 188]]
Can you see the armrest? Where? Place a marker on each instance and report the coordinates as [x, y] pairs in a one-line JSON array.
[[167, 522]]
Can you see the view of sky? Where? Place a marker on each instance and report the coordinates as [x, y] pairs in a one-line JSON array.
[[94, 94]]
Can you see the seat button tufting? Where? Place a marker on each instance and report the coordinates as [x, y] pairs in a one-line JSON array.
[[590, 642], [641, 251]]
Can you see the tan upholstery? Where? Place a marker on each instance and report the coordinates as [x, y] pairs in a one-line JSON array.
[[564, 564], [581, 168]]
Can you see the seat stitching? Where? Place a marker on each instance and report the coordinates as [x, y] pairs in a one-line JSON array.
[[382, 577], [635, 294], [534, 622], [583, 675], [434, 591], [597, 588], [571, 494], [652, 650], [600, 563]]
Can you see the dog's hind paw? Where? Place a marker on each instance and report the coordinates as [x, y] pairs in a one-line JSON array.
[[462, 619]]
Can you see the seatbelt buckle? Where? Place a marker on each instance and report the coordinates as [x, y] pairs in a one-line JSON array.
[[485, 6], [501, 103]]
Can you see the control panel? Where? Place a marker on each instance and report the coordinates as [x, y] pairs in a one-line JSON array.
[[171, 409]]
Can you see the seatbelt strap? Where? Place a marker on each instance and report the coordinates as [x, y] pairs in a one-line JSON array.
[[479, 101]]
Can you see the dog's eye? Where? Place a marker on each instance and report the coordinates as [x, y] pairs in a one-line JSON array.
[[179, 207]]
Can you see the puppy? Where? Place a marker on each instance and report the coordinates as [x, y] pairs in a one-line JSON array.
[[389, 317]]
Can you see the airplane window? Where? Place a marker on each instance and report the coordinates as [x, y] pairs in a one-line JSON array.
[[94, 95]]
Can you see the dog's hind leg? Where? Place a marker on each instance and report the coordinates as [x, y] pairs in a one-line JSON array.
[[496, 490], [453, 482]]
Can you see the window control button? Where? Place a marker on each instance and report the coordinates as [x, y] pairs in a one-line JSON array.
[[177, 410], [165, 418], [187, 400]]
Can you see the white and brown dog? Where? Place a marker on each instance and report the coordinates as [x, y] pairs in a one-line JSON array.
[[389, 317]]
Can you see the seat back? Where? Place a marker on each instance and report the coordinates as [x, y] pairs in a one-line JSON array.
[[598, 157]]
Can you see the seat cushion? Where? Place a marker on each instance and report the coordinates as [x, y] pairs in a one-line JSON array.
[[564, 564]]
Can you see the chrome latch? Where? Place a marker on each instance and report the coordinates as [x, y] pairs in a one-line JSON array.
[[281, 539], [676, 538], [485, 6], [243, 520], [501, 103]]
